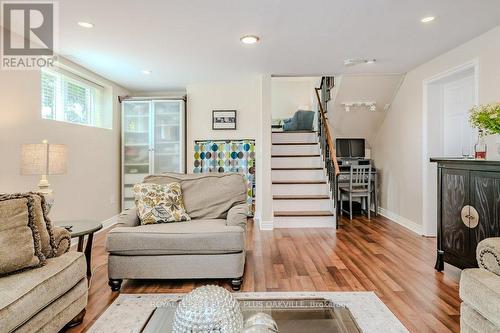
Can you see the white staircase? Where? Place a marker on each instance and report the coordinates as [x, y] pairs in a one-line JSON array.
[[301, 196]]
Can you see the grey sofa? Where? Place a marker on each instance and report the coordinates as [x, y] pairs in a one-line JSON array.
[[47, 298], [211, 245], [480, 291]]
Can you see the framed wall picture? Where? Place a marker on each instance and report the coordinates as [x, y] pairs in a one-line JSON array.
[[224, 119]]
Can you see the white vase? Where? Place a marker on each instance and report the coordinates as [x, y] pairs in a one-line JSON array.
[[493, 147]]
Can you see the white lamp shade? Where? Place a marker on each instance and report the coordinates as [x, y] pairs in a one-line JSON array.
[[43, 159]]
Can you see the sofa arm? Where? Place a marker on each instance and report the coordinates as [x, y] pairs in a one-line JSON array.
[[488, 254], [128, 218], [62, 239], [238, 215]]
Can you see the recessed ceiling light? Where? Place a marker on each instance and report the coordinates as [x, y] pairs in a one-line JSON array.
[[249, 39], [87, 25], [146, 71], [427, 19]]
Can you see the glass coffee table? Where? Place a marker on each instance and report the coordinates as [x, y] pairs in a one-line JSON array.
[[300, 315]]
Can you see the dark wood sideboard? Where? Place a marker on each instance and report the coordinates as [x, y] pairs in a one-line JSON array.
[[468, 209]]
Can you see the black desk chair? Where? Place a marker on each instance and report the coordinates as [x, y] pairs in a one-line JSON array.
[[360, 184]]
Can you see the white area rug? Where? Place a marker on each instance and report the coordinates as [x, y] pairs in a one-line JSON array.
[[130, 312]]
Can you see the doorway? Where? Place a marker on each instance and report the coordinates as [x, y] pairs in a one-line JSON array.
[[448, 98]]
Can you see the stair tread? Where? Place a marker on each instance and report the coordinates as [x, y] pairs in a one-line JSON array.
[[297, 155], [303, 213], [299, 182], [300, 197], [311, 168], [286, 132], [294, 143]]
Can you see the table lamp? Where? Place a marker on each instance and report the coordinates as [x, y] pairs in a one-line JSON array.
[[43, 159]]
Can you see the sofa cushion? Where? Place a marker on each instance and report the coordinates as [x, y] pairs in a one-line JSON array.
[[208, 195], [480, 289], [195, 237], [60, 312], [44, 225], [24, 294], [62, 239], [472, 322], [19, 238], [160, 203]]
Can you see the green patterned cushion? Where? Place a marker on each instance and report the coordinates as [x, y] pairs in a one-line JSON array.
[[160, 203]]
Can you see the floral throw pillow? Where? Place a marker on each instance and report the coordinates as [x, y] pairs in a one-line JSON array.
[[159, 203]]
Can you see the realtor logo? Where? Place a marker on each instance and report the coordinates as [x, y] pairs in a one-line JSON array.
[[28, 36]]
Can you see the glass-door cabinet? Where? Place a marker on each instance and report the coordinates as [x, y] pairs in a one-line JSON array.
[[153, 141]]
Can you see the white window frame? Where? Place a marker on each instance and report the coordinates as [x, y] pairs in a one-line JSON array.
[[92, 90]]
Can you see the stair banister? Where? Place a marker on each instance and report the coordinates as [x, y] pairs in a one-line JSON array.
[[326, 136], [327, 144]]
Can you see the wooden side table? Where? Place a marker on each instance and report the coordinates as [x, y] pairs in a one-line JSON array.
[[80, 229]]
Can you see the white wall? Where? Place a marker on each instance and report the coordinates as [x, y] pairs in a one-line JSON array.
[[241, 95], [91, 187], [397, 148], [264, 209], [249, 96], [291, 93], [152, 94], [360, 122]]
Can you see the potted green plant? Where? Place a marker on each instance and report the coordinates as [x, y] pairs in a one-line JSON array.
[[486, 118]]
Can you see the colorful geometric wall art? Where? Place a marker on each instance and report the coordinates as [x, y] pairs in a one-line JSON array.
[[228, 156]]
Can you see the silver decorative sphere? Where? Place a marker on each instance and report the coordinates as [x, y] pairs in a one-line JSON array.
[[260, 323], [208, 309]]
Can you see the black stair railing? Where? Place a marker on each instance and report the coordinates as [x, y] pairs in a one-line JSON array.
[[326, 142]]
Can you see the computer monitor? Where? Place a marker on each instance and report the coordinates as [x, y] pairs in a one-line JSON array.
[[357, 148], [343, 148], [350, 148]]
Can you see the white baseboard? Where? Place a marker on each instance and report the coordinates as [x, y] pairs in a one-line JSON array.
[[403, 221], [305, 222], [266, 225], [263, 225], [105, 225]]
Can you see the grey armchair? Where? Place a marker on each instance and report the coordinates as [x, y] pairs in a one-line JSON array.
[[480, 290], [210, 246], [301, 121]]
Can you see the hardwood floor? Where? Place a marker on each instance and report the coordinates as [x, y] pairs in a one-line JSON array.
[[376, 255]]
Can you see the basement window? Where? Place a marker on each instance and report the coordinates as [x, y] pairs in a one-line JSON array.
[[70, 98]]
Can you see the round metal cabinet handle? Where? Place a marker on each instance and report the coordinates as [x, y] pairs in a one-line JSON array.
[[470, 216]]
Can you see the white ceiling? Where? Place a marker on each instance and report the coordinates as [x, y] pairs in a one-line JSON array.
[[192, 41]]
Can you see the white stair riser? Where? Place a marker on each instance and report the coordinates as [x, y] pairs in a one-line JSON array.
[[300, 189], [294, 137], [296, 162], [302, 205], [295, 150], [298, 174], [304, 222]]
